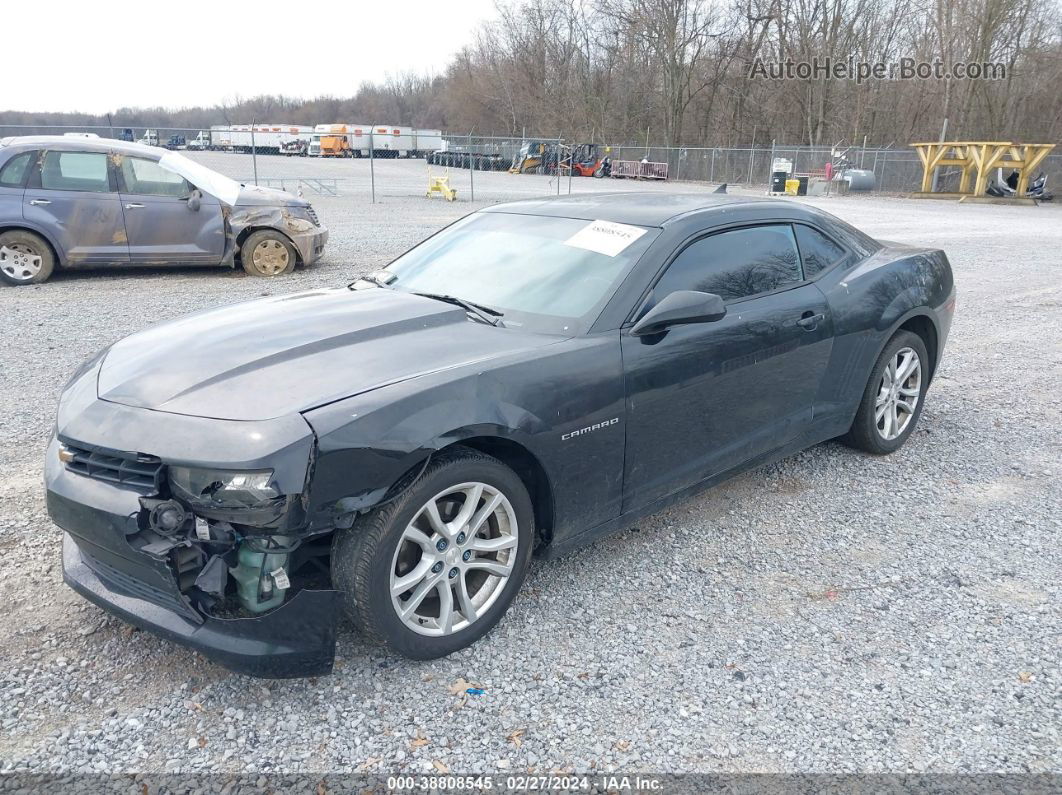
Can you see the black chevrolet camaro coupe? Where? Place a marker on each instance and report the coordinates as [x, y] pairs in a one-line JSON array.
[[530, 378]]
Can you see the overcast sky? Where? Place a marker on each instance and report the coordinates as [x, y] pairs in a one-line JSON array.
[[102, 55]]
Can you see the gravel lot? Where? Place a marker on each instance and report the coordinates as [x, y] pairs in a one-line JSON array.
[[831, 613]]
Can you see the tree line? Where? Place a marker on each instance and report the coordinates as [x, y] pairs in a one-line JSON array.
[[691, 73]]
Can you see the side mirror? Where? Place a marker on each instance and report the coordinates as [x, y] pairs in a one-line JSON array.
[[681, 306], [195, 201]]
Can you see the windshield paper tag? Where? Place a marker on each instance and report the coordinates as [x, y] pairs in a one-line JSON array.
[[605, 237]]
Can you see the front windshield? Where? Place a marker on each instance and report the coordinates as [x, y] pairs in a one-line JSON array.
[[548, 274], [207, 180]]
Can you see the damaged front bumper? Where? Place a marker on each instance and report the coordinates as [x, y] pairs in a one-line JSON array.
[[105, 559], [297, 639], [311, 244], [299, 224]]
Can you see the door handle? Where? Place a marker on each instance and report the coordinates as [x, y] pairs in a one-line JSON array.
[[809, 320], [38, 202], [133, 206]]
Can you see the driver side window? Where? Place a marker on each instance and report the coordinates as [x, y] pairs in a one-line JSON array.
[[149, 178], [737, 264]]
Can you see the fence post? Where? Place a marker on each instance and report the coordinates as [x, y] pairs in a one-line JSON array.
[[571, 168], [254, 154], [711, 172], [471, 170], [372, 162], [556, 165]]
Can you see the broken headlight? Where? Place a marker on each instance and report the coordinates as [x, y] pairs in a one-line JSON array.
[[222, 489]]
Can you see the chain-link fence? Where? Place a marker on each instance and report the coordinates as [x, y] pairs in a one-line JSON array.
[[381, 162]]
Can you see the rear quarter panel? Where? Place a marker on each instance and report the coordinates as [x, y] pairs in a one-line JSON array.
[[869, 302], [10, 206], [10, 197]]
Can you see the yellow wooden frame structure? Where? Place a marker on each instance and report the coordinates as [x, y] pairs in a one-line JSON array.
[[977, 159]]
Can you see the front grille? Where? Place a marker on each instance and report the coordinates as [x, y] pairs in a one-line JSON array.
[[313, 215], [134, 471]]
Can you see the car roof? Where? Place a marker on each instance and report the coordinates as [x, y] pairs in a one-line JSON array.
[[80, 144], [628, 207]]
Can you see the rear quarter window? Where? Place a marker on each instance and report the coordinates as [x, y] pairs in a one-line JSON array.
[[863, 245], [817, 251], [13, 173]]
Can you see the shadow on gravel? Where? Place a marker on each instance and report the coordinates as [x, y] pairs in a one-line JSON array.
[[139, 272]]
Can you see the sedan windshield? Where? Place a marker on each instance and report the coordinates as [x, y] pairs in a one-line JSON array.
[[547, 274]]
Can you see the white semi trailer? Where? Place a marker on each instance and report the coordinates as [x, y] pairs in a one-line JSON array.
[[263, 138], [395, 141]]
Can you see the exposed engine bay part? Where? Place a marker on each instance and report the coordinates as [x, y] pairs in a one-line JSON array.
[[203, 553], [167, 517], [260, 573], [213, 577]]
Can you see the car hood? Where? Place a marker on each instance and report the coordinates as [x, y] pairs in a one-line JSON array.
[[257, 196], [276, 356]]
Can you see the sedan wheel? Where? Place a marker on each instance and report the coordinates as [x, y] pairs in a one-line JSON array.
[[893, 397], [20, 262], [270, 257], [24, 258], [435, 566], [267, 253], [454, 558], [898, 394]]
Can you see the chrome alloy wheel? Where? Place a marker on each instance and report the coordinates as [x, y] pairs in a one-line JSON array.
[[898, 394], [270, 257], [454, 559], [20, 262]]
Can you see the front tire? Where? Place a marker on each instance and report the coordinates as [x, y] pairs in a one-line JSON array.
[[25, 258], [434, 570], [267, 253], [893, 399]]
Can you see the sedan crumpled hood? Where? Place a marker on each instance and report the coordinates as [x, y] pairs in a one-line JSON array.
[[277, 356], [257, 196]]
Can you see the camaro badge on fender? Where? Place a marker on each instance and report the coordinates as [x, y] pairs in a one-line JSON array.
[[597, 425]]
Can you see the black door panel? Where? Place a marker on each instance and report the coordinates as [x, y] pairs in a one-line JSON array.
[[707, 397]]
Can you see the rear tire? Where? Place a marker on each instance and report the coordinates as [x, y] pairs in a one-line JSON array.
[[890, 407], [25, 258], [267, 253], [464, 574]]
